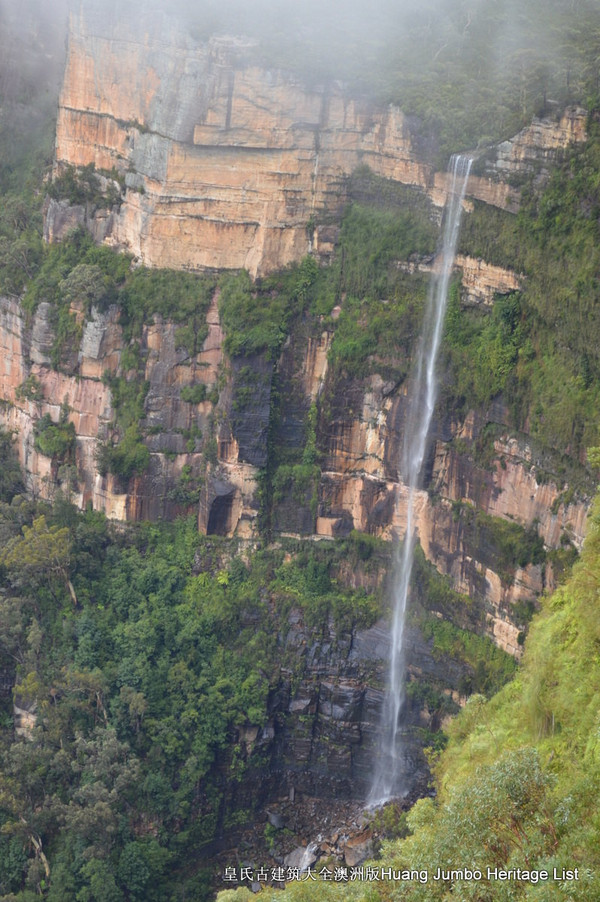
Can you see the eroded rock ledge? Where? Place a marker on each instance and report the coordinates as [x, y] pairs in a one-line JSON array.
[[227, 165]]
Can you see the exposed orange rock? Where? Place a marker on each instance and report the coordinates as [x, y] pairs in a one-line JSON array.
[[359, 487], [538, 143], [237, 165], [528, 153], [24, 353], [481, 281], [228, 165], [490, 190], [360, 490]]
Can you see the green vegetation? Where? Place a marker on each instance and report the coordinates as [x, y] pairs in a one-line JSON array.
[[471, 72], [78, 275], [143, 652], [182, 298], [73, 276], [384, 226], [84, 186], [499, 543], [27, 131], [307, 582], [373, 240], [534, 750], [434, 592], [130, 457], [490, 666], [128, 396], [187, 490], [30, 389], [518, 785], [298, 480], [76, 272], [257, 317], [194, 394], [539, 348], [11, 479], [454, 624], [290, 481], [379, 320], [484, 349], [55, 440], [144, 649], [374, 335]]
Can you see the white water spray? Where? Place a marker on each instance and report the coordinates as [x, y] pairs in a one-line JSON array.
[[389, 769], [309, 856]]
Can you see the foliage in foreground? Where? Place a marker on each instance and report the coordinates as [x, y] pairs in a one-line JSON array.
[[139, 652], [519, 782], [540, 348]]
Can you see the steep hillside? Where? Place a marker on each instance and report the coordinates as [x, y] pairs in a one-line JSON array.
[[516, 811], [174, 414], [210, 302]]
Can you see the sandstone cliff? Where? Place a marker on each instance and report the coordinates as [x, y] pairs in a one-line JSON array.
[[224, 165], [206, 161], [358, 488], [227, 165]]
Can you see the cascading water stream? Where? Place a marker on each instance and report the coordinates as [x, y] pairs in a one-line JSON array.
[[389, 770]]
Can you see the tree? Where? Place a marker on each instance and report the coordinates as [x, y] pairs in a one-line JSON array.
[[11, 478], [40, 556], [86, 285]]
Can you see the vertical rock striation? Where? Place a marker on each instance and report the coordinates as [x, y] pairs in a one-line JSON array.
[[227, 165]]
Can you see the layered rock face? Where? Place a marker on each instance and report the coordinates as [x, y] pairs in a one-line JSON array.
[[324, 730], [360, 487], [228, 165], [225, 165], [177, 430]]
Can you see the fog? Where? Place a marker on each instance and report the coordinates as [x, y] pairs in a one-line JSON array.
[[464, 68], [32, 42], [344, 39]]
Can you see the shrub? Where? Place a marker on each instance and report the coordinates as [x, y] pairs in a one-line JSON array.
[[11, 478], [55, 440], [194, 394], [30, 389], [257, 318], [83, 185], [129, 458]]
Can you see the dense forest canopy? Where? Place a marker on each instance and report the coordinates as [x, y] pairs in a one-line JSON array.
[[472, 71], [139, 653]]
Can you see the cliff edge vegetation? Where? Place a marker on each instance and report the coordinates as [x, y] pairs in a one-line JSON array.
[[470, 73], [151, 677], [140, 675], [518, 786]]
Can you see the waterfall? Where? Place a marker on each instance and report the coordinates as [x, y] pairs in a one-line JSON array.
[[309, 856], [389, 770]]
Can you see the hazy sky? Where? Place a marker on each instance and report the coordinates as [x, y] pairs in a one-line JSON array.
[[489, 57]]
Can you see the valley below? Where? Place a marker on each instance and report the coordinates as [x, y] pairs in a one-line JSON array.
[[213, 278]]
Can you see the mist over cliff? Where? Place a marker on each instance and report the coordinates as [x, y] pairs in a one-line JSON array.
[[470, 71], [215, 251]]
